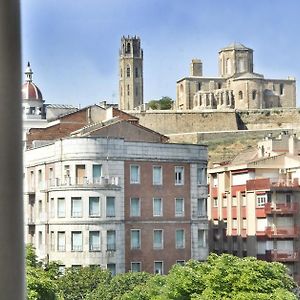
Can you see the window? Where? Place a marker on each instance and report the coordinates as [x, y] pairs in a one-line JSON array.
[[201, 238], [94, 241], [215, 202], [136, 72], [225, 202], [128, 48], [261, 200], [157, 207], [112, 269], [31, 180], [40, 179], [180, 241], [158, 267], [134, 174], [121, 72], [281, 88], [94, 207], [76, 209], [128, 90], [67, 174], [61, 241], [135, 267], [157, 175], [201, 175], [244, 223], [51, 177], [128, 71], [179, 207], [234, 201], [244, 200], [157, 239], [135, 239], [135, 207], [288, 198], [40, 239], [234, 223], [240, 95], [40, 209], [80, 174], [201, 207], [179, 175], [110, 207], [52, 241], [61, 208], [198, 86], [97, 173], [180, 262], [76, 241], [111, 240], [228, 66], [254, 93], [52, 208]]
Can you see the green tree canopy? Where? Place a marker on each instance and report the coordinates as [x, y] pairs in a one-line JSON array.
[[164, 103]]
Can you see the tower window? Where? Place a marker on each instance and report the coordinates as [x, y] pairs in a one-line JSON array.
[[219, 85], [128, 48], [128, 71], [121, 72], [128, 90], [136, 72], [240, 95], [254, 94], [281, 88], [199, 86]]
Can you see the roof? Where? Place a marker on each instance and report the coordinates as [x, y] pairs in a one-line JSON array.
[[31, 91], [248, 75], [235, 46]]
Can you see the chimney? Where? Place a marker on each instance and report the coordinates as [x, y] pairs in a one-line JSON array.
[[196, 67]]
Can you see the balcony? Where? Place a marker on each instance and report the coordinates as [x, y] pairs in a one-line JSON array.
[[284, 256], [281, 208], [80, 182], [282, 232], [272, 184]]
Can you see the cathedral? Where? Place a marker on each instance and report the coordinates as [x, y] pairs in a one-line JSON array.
[[236, 87]]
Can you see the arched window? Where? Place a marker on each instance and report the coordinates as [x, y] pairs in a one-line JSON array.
[[254, 94], [228, 66], [128, 90], [136, 72], [240, 95], [128, 71], [281, 88], [128, 48]]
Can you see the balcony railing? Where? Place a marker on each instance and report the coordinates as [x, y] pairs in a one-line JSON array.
[[269, 183], [284, 256], [282, 232], [83, 181], [281, 208]]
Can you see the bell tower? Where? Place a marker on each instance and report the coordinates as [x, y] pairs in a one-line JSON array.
[[131, 73]]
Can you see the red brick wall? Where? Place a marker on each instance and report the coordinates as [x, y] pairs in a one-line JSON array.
[[147, 223]]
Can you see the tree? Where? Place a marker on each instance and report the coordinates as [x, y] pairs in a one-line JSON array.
[[41, 284], [164, 103], [78, 283]]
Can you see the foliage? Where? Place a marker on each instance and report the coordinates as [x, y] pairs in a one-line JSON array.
[[163, 103], [78, 283], [41, 283], [119, 286]]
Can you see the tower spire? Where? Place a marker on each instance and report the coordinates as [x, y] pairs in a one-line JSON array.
[[28, 73]]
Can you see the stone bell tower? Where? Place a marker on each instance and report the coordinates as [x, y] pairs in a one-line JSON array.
[[131, 73]]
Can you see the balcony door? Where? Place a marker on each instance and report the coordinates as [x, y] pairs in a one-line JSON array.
[[80, 174]]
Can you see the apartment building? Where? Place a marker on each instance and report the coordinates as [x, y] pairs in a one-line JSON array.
[[253, 204], [116, 203]]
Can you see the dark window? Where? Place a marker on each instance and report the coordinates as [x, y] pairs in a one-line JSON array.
[[254, 93], [128, 71], [136, 72], [281, 88], [199, 86], [128, 90], [240, 95], [128, 48]]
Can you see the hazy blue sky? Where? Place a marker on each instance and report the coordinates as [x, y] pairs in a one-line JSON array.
[[73, 45]]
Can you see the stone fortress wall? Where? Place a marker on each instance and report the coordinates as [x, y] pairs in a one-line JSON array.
[[194, 126]]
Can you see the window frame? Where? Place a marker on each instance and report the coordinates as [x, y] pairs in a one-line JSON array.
[[155, 247], [177, 244], [179, 181], [160, 182], [161, 207], [131, 206], [138, 246], [181, 214], [138, 181]]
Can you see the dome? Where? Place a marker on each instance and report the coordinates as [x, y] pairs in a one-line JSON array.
[[29, 90]]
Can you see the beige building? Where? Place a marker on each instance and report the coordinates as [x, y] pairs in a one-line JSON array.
[[112, 193], [131, 73], [236, 87], [254, 203]]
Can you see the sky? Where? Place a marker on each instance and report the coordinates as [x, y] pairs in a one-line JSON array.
[[73, 45]]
